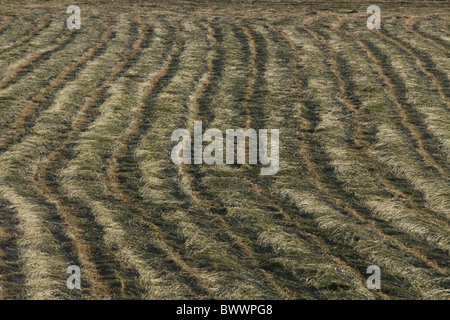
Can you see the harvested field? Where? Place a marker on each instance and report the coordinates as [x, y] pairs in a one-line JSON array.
[[87, 179]]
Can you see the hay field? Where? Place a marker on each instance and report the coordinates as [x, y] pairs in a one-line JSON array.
[[86, 176]]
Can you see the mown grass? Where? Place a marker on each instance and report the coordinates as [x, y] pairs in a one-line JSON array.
[[86, 176]]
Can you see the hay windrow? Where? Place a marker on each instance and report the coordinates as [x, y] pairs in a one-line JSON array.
[[86, 175]]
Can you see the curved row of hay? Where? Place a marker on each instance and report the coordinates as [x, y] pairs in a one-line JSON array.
[[86, 176]]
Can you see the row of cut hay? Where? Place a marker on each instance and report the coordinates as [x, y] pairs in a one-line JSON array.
[[42, 244], [252, 205], [432, 62], [425, 49], [35, 92], [197, 245], [121, 270], [27, 65], [18, 28], [353, 173], [36, 26], [444, 223], [370, 56], [430, 30], [319, 205], [13, 32], [404, 90], [435, 61], [37, 217], [279, 248], [340, 253], [360, 134], [123, 174], [443, 262], [119, 279], [290, 82], [11, 276], [398, 185], [46, 37], [83, 179], [393, 145], [395, 91], [23, 58], [426, 110], [202, 107], [6, 23], [166, 188], [107, 57]]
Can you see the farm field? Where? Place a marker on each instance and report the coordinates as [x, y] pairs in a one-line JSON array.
[[87, 179]]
